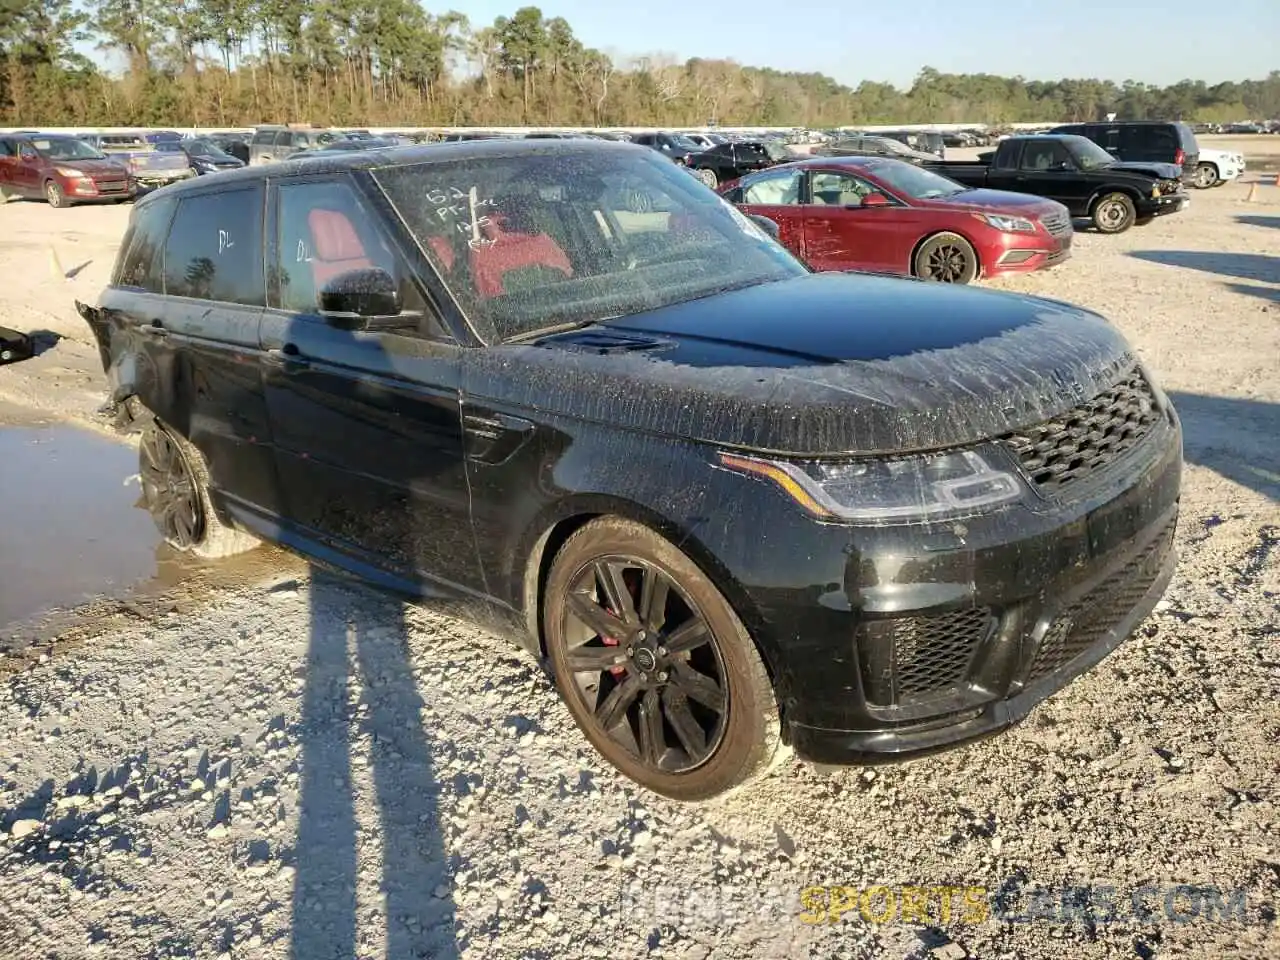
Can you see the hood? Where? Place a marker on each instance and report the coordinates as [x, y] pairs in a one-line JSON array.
[[996, 201], [95, 168], [821, 364], [1165, 171]]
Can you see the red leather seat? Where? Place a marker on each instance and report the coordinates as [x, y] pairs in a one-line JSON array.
[[516, 245], [337, 246]]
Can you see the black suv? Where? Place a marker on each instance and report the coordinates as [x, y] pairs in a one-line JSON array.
[[1150, 141], [734, 503]]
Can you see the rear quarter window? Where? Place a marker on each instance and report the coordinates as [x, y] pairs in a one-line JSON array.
[[140, 265], [214, 250], [1187, 138]]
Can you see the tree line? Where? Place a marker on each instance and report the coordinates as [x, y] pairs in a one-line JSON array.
[[219, 63]]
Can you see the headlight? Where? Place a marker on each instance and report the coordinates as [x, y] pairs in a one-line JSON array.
[[910, 488], [70, 172], [1007, 224]]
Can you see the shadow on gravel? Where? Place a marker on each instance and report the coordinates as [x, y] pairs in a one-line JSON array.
[[1256, 221], [1233, 437], [1246, 266], [370, 626], [1271, 294]]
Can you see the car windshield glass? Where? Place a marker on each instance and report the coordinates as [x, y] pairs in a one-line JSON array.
[[530, 242], [684, 143], [893, 146], [168, 146], [1088, 154], [916, 182], [65, 148], [200, 147]]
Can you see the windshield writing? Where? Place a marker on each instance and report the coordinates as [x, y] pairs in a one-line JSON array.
[[529, 243]]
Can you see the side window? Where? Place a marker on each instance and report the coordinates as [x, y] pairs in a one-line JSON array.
[[1008, 156], [283, 140], [325, 231], [1043, 155], [839, 189], [141, 263], [263, 138], [215, 248], [7, 149], [778, 189], [1162, 142]]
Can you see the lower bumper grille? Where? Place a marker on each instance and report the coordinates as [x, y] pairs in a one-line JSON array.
[[914, 658], [1087, 621]]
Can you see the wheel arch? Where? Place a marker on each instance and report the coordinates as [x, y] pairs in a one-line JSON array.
[[1128, 191], [556, 526], [977, 253]]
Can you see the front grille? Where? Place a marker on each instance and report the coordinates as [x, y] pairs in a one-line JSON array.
[[1058, 224], [111, 186], [912, 658], [1087, 621], [1089, 437]]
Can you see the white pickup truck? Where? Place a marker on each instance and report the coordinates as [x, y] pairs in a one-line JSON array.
[[1217, 167]]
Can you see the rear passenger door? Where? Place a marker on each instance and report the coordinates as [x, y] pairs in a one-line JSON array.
[[191, 291], [367, 423]]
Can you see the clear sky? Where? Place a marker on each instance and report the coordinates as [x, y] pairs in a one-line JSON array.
[[1154, 41]]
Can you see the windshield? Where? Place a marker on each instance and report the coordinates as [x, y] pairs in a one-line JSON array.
[[200, 147], [776, 151], [684, 143], [893, 146], [65, 148], [533, 242], [1088, 155], [915, 182]]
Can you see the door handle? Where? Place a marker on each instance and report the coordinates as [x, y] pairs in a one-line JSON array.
[[153, 329], [290, 361]]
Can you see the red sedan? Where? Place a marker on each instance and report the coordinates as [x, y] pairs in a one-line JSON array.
[[885, 215]]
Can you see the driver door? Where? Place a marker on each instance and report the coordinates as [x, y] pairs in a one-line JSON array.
[[1047, 170]]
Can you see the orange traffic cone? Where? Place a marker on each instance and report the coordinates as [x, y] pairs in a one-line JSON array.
[[1278, 179]]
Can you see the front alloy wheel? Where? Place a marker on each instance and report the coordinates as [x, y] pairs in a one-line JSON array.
[[654, 665], [169, 489]]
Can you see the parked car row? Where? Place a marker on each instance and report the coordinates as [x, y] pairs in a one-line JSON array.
[[736, 504], [853, 207]]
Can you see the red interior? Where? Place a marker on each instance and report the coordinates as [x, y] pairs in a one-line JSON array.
[[337, 246]]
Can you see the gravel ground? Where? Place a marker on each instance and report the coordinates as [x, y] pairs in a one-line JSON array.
[[266, 762]]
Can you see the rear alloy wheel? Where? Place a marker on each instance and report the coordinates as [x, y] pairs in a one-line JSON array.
[[175, 489], [1206, 176], [1114, 213], [946, 258], [708, 177], [53, 193], [654, 665]]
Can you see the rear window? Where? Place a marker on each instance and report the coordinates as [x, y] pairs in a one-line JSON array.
[[1187, 138], [141, 262]]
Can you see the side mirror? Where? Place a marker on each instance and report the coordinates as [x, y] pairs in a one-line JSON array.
[[350, 300], [875, 200], [765, 224]]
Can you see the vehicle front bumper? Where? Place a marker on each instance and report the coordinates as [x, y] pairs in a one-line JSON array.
[[153, 180], [996, 613], [1024, 253], [1162, 206]]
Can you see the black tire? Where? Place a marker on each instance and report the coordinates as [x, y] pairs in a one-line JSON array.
[[1113, 213], [55, 195], [676, 660], [946, 258], [175, 489], [1206, 176]]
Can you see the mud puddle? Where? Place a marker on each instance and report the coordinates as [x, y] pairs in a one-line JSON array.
[[70, 529]]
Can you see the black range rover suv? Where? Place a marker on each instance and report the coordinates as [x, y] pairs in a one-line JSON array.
[[736, 505]]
